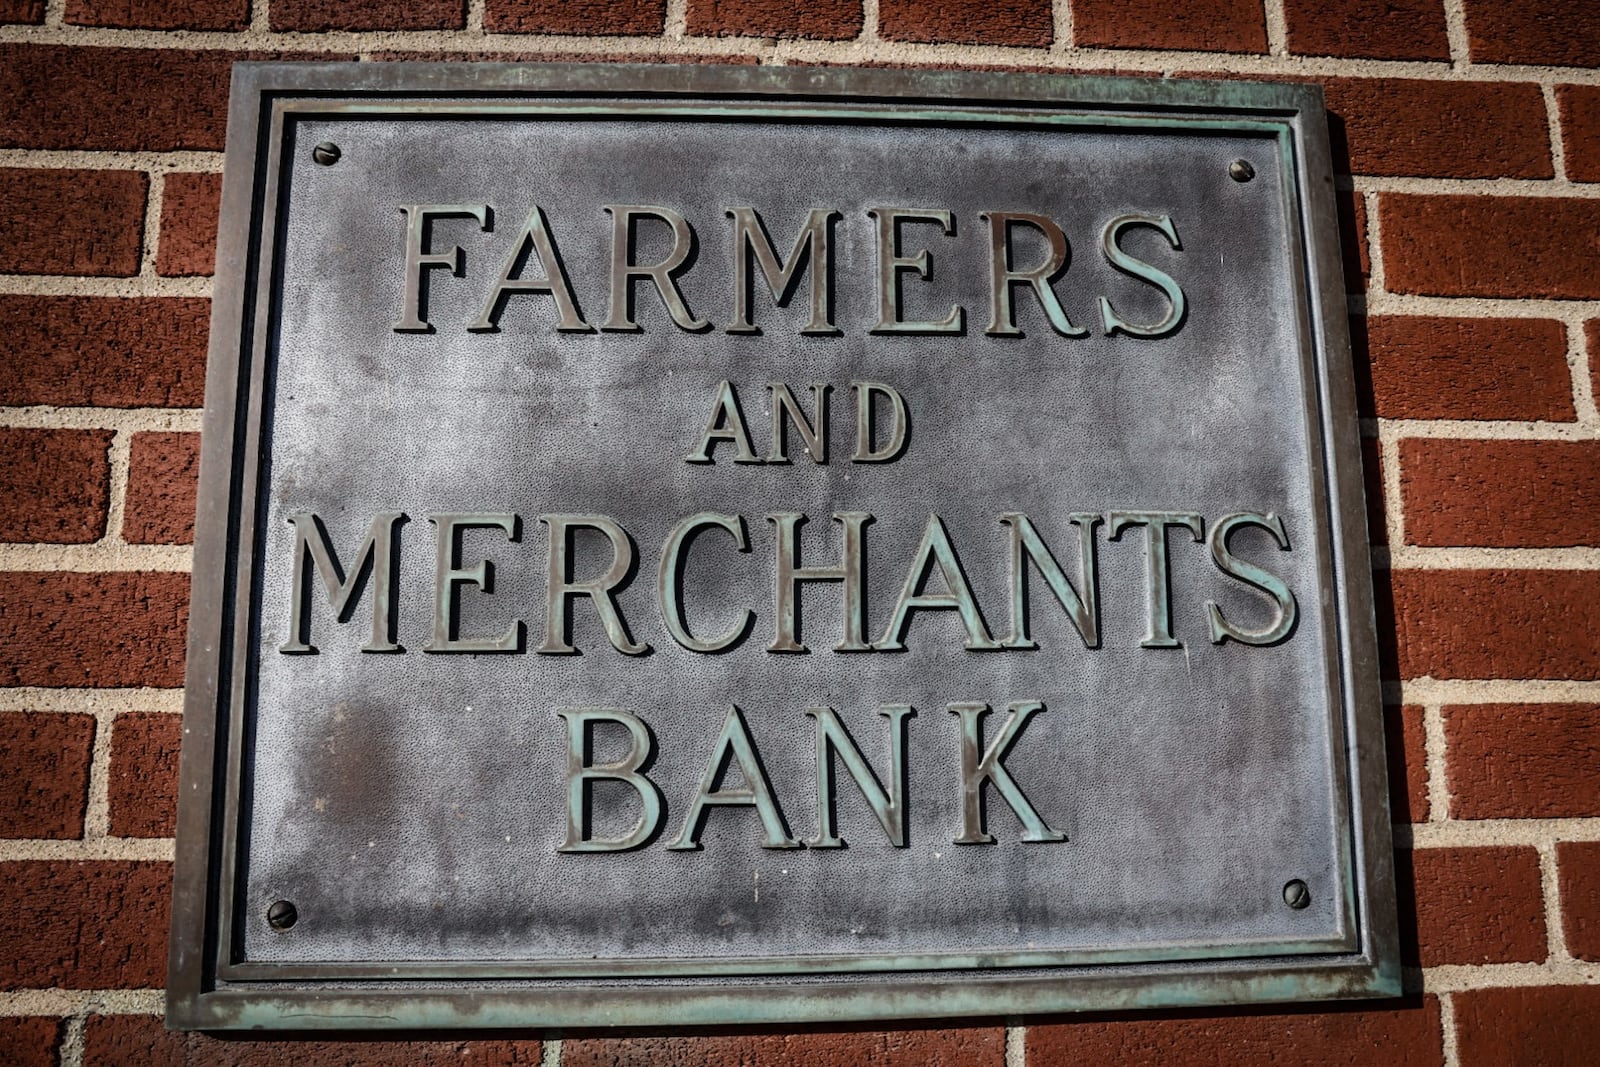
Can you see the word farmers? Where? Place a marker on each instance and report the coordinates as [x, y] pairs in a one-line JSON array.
[[532, 265]]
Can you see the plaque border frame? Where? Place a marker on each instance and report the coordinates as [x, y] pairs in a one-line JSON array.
[[209, 990]]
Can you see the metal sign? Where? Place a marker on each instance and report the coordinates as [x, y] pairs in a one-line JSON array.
[[721, 545]]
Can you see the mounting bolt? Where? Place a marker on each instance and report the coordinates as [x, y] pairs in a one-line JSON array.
[[1296, 894], [326, 153], [281, 915], [1239, 170]]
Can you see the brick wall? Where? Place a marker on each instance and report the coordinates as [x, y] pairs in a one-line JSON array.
[[1470, 130]]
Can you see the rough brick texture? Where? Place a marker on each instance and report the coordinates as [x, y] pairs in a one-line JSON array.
[[103, 351], [30, 1041], [974, 1046], [1471, 905], [70, 221], [54, 485], [1578, 864], [316, 16], [1395, 126], [1523, 761], [135, 99], [1367, 29], [1013, 22], [44, 773], [1579, 108], [1553, 1026], [1200, 25], [1501, 493], [1405, 741], [140, 1041], [162, 473], [1496, 623], [144, 773], [160, 14], [829, 20], [587, 17], [1560, 32], [24, 11], [189, 204], [90, 925], [1425, 367], [110, 629], [1591, 334], [1503, 246], [1407, 1035]]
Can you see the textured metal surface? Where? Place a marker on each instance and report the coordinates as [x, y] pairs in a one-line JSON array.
[[411, 806]]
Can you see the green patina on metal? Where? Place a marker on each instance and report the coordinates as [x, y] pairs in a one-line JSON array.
[[227, 973]]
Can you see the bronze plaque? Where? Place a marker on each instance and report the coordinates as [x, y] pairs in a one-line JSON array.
[[697, 545]]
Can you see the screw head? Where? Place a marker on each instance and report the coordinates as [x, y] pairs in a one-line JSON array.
[[1296, 894], [281, 915], [327, 153], [1241, 171]]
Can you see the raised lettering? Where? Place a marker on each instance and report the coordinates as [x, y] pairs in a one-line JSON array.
[[419, 227], [1283, 600]]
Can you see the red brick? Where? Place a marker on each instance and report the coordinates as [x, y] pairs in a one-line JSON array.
[[1523, 761], [1198, 25], [964, 1047], [1578, 863], [54, 485], [1367, 29], [1502, 246], [70, 221], [1406, 744], [160, 14], [1026, 23], [30, 1041], [319, 16], [1556, 32], [1551, 1026], [144, 773], [1579, 106], [44, 774], [134, 99], [1497, 623], [1440, 129], [1470, 905], [141, 1041], [84, 925], [93, 629], [103, 351], [189, 205], [162, 473], [1426, 367], [1501, 494], [1408, 1033], [826, 20], [585, 17], [1372, 478], [1353, 241], [30, 11], [1591, 335]]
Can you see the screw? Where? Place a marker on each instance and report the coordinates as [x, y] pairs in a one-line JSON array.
[[1296, 894], [1239, 170], [281, 915], [326, 153]]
